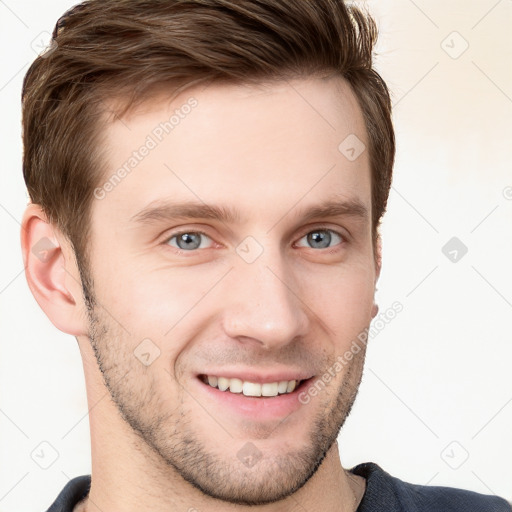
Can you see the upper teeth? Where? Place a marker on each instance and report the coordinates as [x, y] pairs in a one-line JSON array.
[[252, 388]]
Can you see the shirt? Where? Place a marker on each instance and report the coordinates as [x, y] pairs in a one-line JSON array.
[[384, 493]]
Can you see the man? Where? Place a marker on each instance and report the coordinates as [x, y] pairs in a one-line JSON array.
[[207, 180]]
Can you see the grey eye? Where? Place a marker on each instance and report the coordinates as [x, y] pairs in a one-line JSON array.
[[321, 238], [187, 241]]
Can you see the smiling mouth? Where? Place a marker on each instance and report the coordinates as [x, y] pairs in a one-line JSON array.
[[252, 389]]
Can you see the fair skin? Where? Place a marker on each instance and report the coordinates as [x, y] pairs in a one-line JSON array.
[[161, 437]]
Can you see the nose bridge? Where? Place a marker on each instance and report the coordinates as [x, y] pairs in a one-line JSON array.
[[264, 303]]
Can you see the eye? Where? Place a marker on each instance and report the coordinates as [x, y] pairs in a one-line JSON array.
[[322, 238], [188, 240]]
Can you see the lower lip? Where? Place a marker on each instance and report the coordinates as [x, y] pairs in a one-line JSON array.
[[274, 407]]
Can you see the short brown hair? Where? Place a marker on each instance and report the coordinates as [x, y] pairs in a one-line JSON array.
[[125, 49]]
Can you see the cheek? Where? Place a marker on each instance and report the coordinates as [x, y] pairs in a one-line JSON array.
[[160, 304], [343, 299]]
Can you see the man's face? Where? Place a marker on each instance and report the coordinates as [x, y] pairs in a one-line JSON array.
[[265, 295]]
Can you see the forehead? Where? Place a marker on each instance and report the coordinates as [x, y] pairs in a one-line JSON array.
[[257, 147]]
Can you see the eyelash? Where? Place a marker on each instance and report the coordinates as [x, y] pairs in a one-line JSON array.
[[328, 250]]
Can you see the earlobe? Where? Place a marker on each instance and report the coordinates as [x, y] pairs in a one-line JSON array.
[[51, 272]]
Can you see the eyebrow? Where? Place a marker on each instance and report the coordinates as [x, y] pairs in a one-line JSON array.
[[169, 211]]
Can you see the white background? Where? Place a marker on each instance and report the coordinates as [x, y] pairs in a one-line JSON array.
[[435, 405]]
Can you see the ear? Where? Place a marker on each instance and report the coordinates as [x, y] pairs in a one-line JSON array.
[[51, 272], [378, 267]]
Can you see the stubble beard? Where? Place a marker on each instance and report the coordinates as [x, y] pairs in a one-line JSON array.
[[172, 440]]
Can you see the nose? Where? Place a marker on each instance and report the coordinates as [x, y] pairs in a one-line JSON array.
[[263, 304]]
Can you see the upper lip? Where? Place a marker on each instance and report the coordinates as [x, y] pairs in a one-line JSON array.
[[260, 377]]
